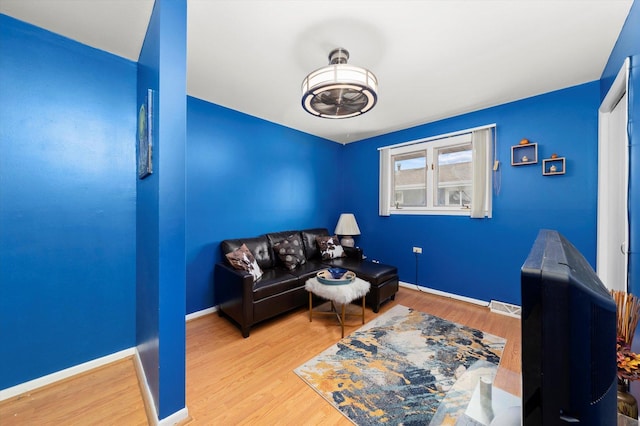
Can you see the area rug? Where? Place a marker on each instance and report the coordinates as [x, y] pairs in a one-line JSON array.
[[404, 367]]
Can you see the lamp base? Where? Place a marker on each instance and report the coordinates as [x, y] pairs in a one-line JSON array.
[[347, 241]]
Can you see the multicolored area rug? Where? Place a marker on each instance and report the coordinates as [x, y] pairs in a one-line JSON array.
[[404, 367]]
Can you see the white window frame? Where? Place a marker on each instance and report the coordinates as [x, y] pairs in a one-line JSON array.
[[431, 145]]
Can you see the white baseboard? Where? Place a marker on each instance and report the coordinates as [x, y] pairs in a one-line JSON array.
[[175, 418], [31, 385], [201, 313], [149, 404], [444, 294], [147, 396]]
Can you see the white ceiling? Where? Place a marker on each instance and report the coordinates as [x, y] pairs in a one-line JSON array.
[[433, 58]]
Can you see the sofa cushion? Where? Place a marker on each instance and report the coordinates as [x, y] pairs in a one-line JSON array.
[[290, 251], [309, 269], [243, 260], [330, 247], [258, 246], [274, 281], [309, 240]]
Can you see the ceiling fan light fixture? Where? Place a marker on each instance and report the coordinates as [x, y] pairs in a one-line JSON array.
[[339, 90]]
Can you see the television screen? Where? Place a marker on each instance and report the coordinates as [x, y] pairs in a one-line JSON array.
[[568, 338]]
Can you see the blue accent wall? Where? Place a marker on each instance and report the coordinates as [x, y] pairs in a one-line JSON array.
[[481, 258], [67, 203], [161, 210], [147, 222], [246, 177]]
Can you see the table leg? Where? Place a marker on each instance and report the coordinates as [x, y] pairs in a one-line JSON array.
[[363, 309], [310, 307], [344, 306]]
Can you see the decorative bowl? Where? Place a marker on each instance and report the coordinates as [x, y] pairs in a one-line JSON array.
[[324, 277], [337, 273]]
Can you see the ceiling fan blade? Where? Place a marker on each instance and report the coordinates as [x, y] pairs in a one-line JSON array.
[[339, 101]]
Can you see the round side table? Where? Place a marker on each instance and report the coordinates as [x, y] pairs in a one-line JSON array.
[[342, 294]]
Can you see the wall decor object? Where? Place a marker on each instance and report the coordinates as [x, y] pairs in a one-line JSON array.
[[145, 136], [553, 166], [524, 153]]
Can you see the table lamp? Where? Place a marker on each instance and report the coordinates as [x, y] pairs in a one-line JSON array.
[[347, 227]]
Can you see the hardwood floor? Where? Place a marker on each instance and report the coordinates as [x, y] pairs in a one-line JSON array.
[[105, 395], [231, 380]]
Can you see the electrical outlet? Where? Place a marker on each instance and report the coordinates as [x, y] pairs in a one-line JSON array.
[[417, 250]]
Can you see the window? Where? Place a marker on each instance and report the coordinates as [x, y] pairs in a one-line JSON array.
[[409, 179], [453, 175], [449, 175]]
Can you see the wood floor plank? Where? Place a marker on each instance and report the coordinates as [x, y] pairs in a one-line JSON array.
[[236, 381], [102, 396]]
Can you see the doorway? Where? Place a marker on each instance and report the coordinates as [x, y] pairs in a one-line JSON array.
[[613, 183]]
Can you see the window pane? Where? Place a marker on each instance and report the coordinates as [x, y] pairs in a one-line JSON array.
[[409, 179], [456, 196], [453, 175]]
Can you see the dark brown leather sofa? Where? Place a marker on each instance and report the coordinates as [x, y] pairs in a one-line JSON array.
[[279, 290]]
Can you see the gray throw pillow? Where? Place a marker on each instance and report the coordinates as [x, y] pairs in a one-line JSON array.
[[291, 252]]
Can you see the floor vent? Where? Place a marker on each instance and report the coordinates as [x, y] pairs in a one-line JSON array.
[[505, 308]]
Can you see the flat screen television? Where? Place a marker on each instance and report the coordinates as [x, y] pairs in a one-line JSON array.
[[568, 338]]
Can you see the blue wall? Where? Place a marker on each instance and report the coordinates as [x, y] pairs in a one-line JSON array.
[[161, 210], [67, 203], [147, 222], [247, 177], [481, 258]]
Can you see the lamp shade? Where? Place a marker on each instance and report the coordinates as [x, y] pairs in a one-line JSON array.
[[348, 227]]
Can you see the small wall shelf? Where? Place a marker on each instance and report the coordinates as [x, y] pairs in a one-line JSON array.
[[553, 166], [524, 154]]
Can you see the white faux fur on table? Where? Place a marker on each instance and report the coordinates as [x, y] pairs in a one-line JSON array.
[[342, 294]]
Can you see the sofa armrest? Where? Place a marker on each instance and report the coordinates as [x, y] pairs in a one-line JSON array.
[[353, 252], [234, 295]]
